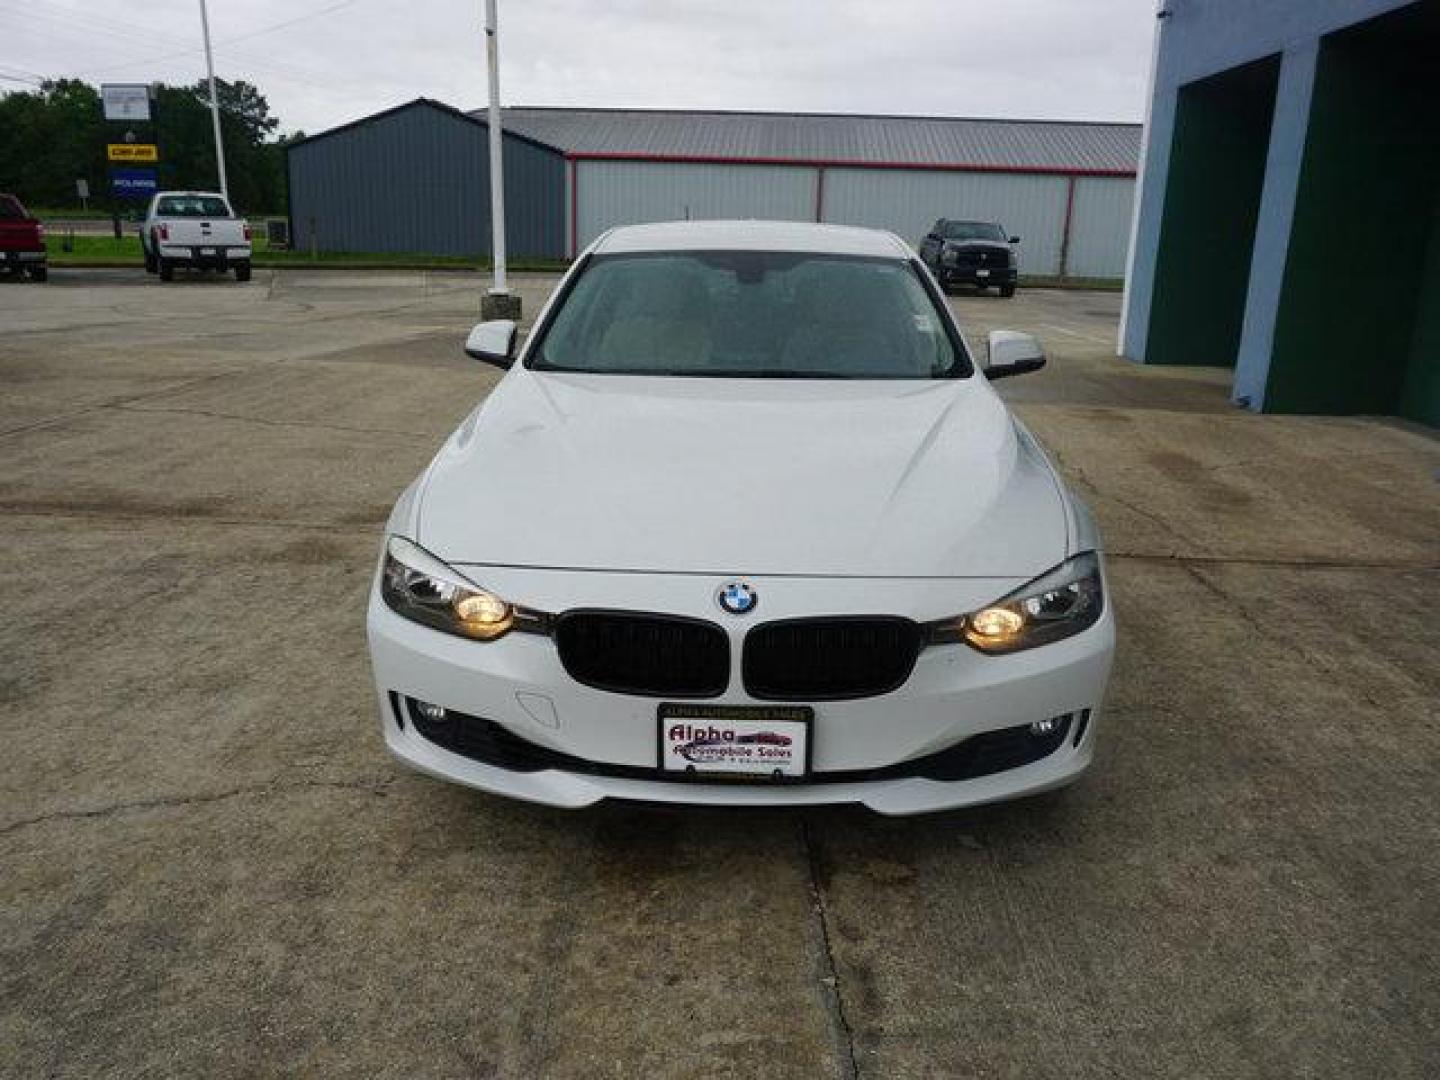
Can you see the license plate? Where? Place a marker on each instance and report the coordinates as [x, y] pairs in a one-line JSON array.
[[982, 273], [736, 742], [207, 251]]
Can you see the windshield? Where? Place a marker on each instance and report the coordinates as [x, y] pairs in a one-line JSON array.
[[973, 230], [750, 314], [197, 206]]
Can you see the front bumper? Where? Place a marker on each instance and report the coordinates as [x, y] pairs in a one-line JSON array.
[[14, 259], [953, 694], [203, 257], [979, 275]]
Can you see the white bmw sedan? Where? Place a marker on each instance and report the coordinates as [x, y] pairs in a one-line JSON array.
[[744, 523]]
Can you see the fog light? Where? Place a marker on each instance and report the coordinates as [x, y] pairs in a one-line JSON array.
[[1040, 728], [433, 713]]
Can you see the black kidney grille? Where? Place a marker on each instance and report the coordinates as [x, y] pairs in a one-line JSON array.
[[638, 653], [829, 658]]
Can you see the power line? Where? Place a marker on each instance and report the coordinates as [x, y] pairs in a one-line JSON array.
[[288, 22], [89, 20], [121, 37], [19, 74]]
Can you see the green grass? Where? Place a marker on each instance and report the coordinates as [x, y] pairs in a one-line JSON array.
[[135, 213], [74, 213], [107, 251]]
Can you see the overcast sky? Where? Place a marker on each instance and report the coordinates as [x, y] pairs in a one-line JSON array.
[[341, 59]]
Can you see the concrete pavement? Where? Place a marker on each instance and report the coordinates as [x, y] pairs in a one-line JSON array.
[[209, 866]]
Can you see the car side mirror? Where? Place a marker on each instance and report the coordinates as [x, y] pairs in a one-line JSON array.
[[1012, 353], [1014, 239], [493, 342]]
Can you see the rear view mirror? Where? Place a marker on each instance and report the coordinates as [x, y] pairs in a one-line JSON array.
[[493, 342], [1012, 353], [1014, 239]]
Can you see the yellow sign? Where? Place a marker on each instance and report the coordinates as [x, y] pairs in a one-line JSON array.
[[133, 151]]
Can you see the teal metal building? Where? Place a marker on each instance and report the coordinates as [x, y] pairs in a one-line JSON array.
[[1288, 218]]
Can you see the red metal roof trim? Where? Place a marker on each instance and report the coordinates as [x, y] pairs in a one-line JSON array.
[[840, 163]]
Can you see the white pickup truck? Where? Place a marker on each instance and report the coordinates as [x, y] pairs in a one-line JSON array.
[[196, 229]]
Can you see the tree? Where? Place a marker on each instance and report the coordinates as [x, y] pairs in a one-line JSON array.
[[49, 139]]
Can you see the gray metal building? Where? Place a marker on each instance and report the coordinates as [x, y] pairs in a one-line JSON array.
[[1065, 188], [416, 178]]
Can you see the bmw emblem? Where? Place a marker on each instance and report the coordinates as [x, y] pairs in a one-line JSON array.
[[737, 597]]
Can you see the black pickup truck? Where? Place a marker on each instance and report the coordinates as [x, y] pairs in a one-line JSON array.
[[975, 253]]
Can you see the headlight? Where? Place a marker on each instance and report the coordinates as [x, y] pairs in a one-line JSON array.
[[950, 254], [423, 589], [1056, 605]]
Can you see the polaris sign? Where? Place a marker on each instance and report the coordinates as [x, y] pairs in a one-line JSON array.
[[134, 183]]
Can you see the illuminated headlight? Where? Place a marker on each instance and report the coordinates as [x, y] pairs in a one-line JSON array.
[[1055, 606], [425, 590]]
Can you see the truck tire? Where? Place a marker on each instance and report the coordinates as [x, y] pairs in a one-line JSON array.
[[167, 270], [1007, 291], [150, 264], [39, 273], [242, 271]]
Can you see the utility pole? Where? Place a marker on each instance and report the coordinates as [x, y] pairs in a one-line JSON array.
[[214, 101], [497, 303]]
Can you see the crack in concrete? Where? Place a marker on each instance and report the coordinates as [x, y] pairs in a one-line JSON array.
[[1272, 562], [121, 401], [308, 424], [190, 517], [829, 980], [167, 801], [1140, 511], [1267, 633]]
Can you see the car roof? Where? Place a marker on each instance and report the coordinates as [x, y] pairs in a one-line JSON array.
[[752, 236]]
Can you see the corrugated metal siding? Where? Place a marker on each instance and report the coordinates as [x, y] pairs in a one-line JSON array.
[[907, 202], [417, 180], [1028, 144], [1100, 228], [627, 193]]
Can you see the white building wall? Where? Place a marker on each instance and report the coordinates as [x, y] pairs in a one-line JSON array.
[[907, 202], [611, 193], [1100, 227]]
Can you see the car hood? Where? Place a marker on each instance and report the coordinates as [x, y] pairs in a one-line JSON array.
[[744, 476]]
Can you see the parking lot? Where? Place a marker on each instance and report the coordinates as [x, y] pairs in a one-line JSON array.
[[209, 866]]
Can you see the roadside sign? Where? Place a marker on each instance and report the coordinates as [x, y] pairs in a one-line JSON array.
[[132, 151], [125, 101], [134, 183], [82, 187]]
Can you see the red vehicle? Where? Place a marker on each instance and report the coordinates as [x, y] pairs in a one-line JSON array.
[[22, 240]]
